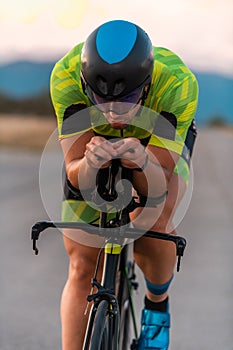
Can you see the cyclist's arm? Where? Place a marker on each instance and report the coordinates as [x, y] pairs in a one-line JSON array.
[[157, 174], [158, 168], [74, 149], [84, 155], [177, 107]]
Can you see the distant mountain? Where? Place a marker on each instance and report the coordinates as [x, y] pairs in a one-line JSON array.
[[24, 79], [215, 97]]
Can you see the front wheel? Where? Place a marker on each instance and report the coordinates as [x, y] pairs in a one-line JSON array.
[[125, 286], [105, 328]]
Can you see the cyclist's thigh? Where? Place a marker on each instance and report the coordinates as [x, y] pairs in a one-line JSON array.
[[79, 254], [84, 212], [82, 248], [83, 238]]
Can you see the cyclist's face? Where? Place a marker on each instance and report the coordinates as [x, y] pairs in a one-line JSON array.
[[120, 121], [118, 112]]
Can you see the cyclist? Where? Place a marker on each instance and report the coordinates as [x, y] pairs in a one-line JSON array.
[[117, 63]]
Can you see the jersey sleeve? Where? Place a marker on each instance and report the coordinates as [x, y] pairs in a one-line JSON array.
[[176, 95], [67, 96]]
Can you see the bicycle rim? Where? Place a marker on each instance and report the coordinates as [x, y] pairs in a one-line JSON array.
[[105, 331]]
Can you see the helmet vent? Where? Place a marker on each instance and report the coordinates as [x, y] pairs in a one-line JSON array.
[[102, 85], [119, 87]]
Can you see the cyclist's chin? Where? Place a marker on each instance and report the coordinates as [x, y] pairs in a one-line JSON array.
[[121, 120]]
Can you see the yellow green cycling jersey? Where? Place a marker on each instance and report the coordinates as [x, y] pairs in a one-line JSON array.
[[173, 92], [164, 120]]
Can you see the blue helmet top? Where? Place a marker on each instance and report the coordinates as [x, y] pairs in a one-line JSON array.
[[117, 58]]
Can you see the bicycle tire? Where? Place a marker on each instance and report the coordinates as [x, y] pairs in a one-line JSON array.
[[105, 329], [127, 328]]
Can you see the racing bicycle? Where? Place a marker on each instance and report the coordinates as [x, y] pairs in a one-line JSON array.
[[112, 323]]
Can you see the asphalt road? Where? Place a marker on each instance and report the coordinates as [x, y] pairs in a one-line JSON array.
[[30, 287]]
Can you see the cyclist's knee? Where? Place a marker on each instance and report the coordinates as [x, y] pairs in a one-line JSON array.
[[156, 221], [82, 261], [80, 268], [160, 218], [163, 224]]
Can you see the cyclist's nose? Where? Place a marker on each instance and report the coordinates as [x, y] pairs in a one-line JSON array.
[[110, 114], [115, 108], [113, 115]]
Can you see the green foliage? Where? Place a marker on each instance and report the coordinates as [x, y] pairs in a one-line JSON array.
[[37, 105]]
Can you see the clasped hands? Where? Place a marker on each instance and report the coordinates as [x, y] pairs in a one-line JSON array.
[[100, 152]]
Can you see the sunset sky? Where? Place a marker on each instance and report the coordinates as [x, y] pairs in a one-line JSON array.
[[200, 31]]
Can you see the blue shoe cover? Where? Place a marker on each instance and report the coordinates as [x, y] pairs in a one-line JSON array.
[[154, 330]]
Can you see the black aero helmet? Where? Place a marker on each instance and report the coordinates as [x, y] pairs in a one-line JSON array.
[[117, 58]]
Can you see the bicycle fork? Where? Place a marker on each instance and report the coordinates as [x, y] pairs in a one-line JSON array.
[[105, 291]]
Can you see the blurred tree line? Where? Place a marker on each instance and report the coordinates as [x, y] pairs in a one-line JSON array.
[[37, 105]]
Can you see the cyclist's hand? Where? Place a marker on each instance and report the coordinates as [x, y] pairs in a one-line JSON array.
[[131, 152], [99, 152]]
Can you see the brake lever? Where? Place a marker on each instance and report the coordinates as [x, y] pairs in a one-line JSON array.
[[35, 233], [180, 247]]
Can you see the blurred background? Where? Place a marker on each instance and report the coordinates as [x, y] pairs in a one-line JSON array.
[[34, 35]]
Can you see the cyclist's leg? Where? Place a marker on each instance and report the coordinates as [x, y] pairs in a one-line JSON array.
[[82, 250], [145, 248], [73, 302], [157, 258]]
